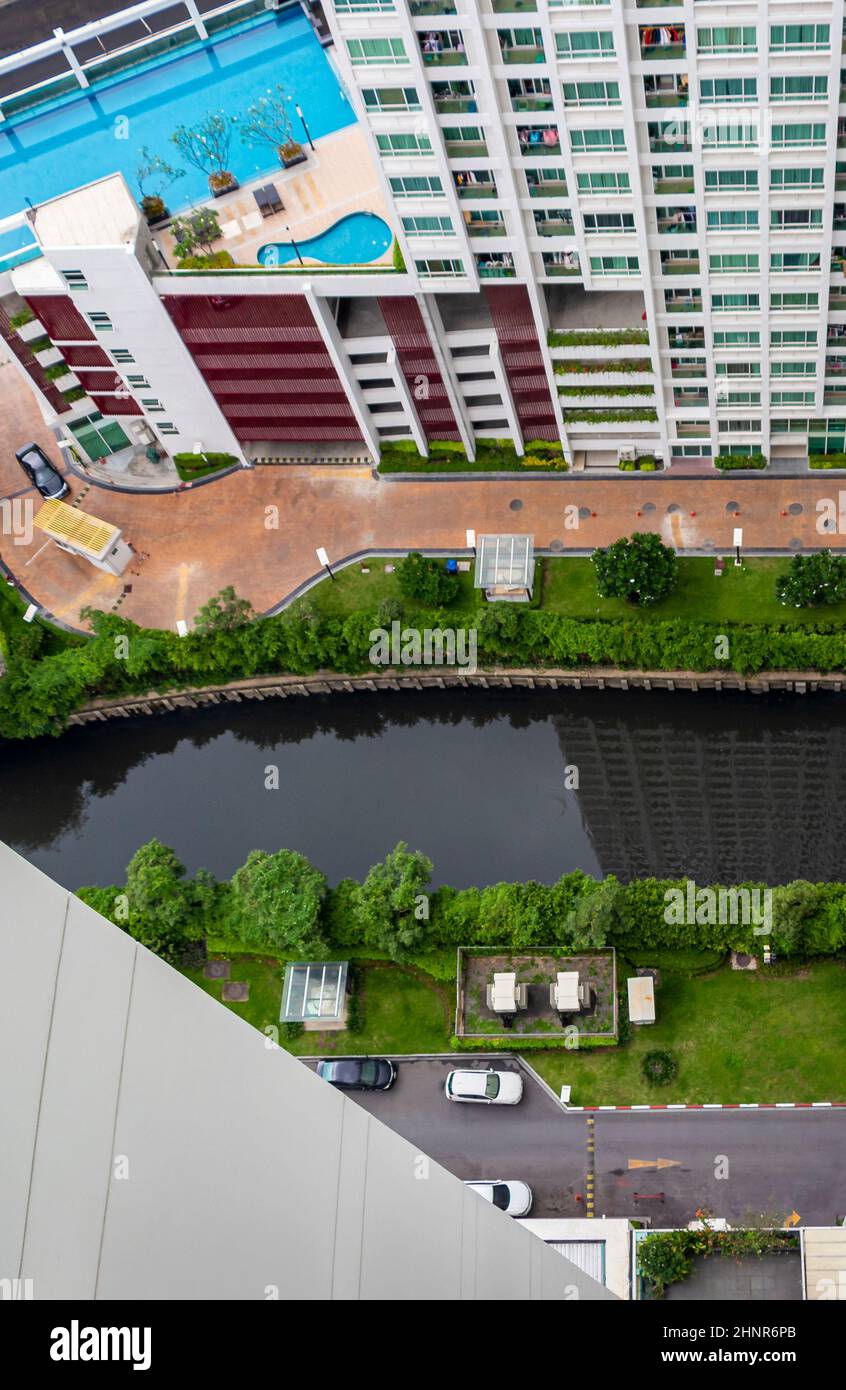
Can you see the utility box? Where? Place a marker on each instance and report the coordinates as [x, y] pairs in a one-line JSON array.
[[98, 542]]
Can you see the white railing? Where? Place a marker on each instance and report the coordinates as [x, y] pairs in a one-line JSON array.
[[64, 43]]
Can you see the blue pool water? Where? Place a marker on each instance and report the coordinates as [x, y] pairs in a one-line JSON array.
[[101, 130], [355, 240]]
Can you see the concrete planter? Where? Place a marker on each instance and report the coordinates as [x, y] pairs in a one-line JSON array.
[[28, 332]]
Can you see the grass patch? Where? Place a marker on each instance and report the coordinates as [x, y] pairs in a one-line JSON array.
[[351, 592], [744, 595], [404, 1010], [737, 1037], [568, 587]]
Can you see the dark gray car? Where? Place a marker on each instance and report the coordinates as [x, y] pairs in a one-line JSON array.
[[358, 1073], [41, 472]]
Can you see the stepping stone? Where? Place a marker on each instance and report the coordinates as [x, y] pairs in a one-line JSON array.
[[236, 991], [217, 969]]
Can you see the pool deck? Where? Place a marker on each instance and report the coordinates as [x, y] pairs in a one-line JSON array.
[[337, 179]]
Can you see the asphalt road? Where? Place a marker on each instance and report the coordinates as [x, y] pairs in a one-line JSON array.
[[738, 1164]]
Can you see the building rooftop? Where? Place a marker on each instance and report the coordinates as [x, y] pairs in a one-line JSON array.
[[103, 213], [143, 1164]]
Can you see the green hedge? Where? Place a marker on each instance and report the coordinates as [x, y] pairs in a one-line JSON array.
[[194, 463], [37, 696], [587, 367], [729, 461], [609, 416], [606, 390], [827, 461], [492, 456], [598, 337], [18, 320], [516, 1043]]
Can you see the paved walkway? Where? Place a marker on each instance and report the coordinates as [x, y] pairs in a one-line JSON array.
[[258, 529]]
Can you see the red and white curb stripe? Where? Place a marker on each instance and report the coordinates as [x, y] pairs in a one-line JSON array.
[[742, 1105]]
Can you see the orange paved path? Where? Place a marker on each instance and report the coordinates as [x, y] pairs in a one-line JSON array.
[[193, 543]]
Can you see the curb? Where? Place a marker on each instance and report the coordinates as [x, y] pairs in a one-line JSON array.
[[719, 1105]]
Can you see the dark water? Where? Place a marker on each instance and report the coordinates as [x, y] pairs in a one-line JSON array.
[[720, 787]]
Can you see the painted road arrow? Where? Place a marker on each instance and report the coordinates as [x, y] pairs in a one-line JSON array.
[[654, 1163]]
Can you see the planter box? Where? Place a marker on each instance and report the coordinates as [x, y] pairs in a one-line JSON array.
[[28, 332], [49, 357], [229, 188], [294, 159]]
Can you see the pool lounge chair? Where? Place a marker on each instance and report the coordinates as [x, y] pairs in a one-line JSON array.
[[268, 200]]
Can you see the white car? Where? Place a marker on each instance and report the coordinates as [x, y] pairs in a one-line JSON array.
[[485, 1087], [512, 1197]]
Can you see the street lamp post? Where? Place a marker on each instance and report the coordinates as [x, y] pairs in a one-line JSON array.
[[299, 111], [737, 543], [294, 244], [324, 560]]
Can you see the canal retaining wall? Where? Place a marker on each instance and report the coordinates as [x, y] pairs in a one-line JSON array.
[[449, 678]]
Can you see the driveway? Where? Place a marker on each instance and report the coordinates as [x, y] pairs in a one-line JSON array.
[[772, 1162]]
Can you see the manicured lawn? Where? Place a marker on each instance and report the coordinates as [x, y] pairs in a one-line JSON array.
[[744, 595], [736, 1036], [353, 591], [403, 1009]]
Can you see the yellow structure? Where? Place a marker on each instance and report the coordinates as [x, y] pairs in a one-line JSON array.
[[80, 534]]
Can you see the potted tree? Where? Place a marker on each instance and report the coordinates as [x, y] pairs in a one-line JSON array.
[[154, 176], [205, 146], [200, 228], [268, 122]]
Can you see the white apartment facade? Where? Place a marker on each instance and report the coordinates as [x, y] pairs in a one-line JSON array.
[[674, 166], [620, 228]]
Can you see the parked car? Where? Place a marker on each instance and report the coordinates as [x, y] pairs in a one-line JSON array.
[[512, 1197], [359, 1073], [41, 472], [485, 1087]]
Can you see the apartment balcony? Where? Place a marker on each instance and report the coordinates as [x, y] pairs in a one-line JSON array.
[[679, 265], [465, 149], [474, 183], [839, 218], [423, 9], [561, 264], [834, 396], [656, 47], [546, 188], [673, 138], [561, 225], [527, 100], [679, 302], [539, 140], [837, 300], [483, 227], [660, 91], [693, 429], [691, 399], [499, 267], [836, 366], [676, 221], [518, 7], [454, 98], [680, 370], [686, 338], [444, 48], [514, 53], [675, 185]]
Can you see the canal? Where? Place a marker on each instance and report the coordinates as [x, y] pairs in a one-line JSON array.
[[491, 785]]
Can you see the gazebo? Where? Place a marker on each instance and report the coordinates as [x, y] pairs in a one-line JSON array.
[[505, 568]]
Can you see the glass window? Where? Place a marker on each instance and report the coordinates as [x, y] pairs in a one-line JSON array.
[[587, 43], [727, 39]]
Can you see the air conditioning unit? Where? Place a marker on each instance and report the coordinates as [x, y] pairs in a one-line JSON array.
[[626, 455]]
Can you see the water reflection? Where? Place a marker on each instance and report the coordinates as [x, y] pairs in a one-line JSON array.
[[718, 786]]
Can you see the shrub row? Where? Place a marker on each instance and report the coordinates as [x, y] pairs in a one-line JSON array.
[[827, 460], [729, 461], [37, 696], [601, 337]]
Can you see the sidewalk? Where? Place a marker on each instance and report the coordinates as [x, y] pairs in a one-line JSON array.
[[258, 529]]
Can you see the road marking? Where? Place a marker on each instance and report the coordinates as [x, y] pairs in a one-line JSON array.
[[655, 1163], [793, 1219], [591, 1168]]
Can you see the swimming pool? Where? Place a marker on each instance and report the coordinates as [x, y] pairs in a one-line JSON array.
[[355, 240], [100, 131]]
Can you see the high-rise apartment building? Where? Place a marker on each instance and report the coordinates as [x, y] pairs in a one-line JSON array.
[[616, 227]]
